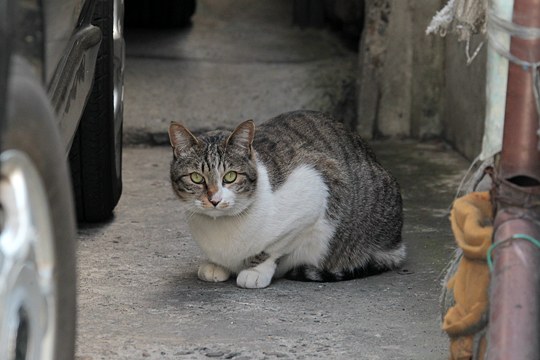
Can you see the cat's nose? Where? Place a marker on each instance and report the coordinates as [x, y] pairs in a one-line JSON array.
[[214, 197]]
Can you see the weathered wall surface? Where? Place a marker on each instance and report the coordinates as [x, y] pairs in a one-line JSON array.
[[464, 98], [414, 85], [400, 70], [428, 60]]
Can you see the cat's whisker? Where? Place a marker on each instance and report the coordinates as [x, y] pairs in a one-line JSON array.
[[189, 214]]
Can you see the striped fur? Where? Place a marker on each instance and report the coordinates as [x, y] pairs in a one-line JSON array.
[[311, 202]]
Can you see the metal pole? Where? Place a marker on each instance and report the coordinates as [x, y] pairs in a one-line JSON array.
[[514, 318]]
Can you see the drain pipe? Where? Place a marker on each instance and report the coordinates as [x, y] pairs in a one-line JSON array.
[[514, 317]]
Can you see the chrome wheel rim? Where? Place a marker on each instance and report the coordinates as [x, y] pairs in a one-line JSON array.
[[27, 262], [119, 57]]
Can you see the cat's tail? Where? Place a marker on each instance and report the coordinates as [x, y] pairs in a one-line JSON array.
[[313, 273]]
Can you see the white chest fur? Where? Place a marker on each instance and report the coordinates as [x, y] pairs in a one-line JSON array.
[[289, 223]]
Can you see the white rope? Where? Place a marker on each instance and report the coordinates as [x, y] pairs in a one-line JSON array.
[[464, 18], [442, 19]]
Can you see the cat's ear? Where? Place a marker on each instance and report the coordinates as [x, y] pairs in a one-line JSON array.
[[181, 138], [242, 136]]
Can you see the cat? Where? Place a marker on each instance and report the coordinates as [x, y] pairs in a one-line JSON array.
[[299, 197]]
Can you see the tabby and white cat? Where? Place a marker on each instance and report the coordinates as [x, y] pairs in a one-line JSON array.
[[299, 197]]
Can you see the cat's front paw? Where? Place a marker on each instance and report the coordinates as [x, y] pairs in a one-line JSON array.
[[213, 273], [253, 279]]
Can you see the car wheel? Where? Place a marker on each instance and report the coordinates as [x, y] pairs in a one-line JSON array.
[[96, 152], [160, 14], [37, 239]]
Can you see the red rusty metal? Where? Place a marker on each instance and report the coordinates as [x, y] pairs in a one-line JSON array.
[[514, 321], [514, 318], [521, 118]]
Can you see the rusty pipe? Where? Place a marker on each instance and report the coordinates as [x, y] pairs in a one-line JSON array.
[[514, 317], [519, 156]]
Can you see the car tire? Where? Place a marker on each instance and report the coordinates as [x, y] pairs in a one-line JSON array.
[[96, 152], [37, 290], [160, 14]]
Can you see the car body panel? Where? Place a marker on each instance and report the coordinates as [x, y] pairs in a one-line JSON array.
[[71, 49], [72, 82], [61, 18], [4, 59]]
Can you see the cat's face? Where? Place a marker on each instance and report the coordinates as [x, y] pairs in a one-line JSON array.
[[214, 174]]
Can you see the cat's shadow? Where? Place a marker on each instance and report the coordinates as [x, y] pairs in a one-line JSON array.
[[186, 288]]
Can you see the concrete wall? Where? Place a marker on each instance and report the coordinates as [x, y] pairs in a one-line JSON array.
[[464, 98], [414, 85], [428, 60]]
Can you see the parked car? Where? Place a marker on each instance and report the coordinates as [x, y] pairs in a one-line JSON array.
[[61, 96]]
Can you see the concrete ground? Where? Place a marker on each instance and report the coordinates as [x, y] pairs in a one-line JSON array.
[[240, 60], [139, 296]]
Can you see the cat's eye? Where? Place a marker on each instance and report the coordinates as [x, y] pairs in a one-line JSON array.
[[230, 177], [196, 178]]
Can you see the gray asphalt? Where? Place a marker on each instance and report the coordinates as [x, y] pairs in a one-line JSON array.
[[139, 296]]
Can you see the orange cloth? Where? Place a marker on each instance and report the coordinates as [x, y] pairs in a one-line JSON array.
[[466, 320]]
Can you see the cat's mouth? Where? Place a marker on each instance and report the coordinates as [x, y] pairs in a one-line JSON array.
[[222, 209], [212, 205], [213, 209]]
